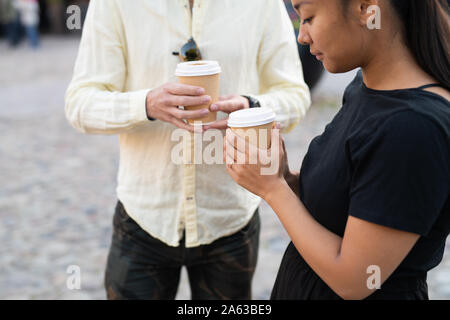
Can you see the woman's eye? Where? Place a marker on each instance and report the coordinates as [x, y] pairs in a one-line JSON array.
[[307, 20]]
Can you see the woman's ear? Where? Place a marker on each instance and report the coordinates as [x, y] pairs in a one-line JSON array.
[[367, 10]]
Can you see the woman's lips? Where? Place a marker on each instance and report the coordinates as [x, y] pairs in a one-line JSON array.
[[319, 55]]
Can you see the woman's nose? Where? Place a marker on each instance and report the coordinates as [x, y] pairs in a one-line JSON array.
[[303, 36]]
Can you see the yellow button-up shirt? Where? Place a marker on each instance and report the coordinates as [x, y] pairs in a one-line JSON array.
[[126, 50]]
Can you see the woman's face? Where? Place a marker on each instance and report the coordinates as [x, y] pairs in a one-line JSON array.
[[335, 37]]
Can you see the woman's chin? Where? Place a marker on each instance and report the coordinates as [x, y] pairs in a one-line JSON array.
[[336, 68]]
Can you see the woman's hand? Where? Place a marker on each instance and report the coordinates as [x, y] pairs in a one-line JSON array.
[[257, 170]]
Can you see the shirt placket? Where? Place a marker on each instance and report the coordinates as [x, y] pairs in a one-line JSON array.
[[189, 201], [187, 14], [194, 21], [198, 13], [189, 211]]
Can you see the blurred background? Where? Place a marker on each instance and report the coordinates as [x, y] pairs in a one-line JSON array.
[[57, 195]]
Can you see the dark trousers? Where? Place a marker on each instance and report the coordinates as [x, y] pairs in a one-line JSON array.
[[142, 267]]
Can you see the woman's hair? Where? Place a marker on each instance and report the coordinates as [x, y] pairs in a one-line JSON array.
[[427, 32]]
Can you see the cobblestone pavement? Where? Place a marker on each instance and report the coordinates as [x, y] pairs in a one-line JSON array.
[[58, 192]]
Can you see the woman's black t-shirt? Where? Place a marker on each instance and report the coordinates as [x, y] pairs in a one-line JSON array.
[[384, 159]]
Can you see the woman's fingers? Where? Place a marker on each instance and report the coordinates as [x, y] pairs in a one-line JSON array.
[[231, 152], [236, 141], [229, 161], [234, 153], [230, 138], [247, 153]]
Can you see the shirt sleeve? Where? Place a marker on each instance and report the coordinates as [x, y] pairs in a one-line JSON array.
[[400, 173], [282, 87], [95, 101]]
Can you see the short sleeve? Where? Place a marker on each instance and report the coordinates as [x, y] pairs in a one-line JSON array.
[[400, 173]]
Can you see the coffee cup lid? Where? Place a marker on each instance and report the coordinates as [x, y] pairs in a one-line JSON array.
[[197, 68], [251, 117]]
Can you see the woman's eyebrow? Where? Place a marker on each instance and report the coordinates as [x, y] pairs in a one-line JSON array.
[[298, 5]]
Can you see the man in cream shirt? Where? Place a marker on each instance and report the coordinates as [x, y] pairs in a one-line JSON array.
[[171, 215]]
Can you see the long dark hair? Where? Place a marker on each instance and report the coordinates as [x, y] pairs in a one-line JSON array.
[[427, 32], [427, 27]]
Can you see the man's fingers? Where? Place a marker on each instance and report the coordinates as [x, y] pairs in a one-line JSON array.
[[220, 106], [187, 101], [183, 125], [188, 114], [220, 124], [184, 89], [227, 106], [223, 98]]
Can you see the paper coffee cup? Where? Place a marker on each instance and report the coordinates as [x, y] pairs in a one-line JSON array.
[[255, 125], [203, 74]]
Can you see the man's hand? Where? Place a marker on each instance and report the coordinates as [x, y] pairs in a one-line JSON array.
[[162, 104], [227, 104]]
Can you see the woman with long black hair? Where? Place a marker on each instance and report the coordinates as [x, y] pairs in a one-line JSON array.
[[370, 207]]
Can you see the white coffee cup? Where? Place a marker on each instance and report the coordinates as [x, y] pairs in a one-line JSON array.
[[255, 125]]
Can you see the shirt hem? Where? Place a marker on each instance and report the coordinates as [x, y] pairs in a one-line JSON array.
[[226, 234], [197, 243]]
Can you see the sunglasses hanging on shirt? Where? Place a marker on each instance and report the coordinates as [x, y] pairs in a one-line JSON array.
[[189, 51]]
